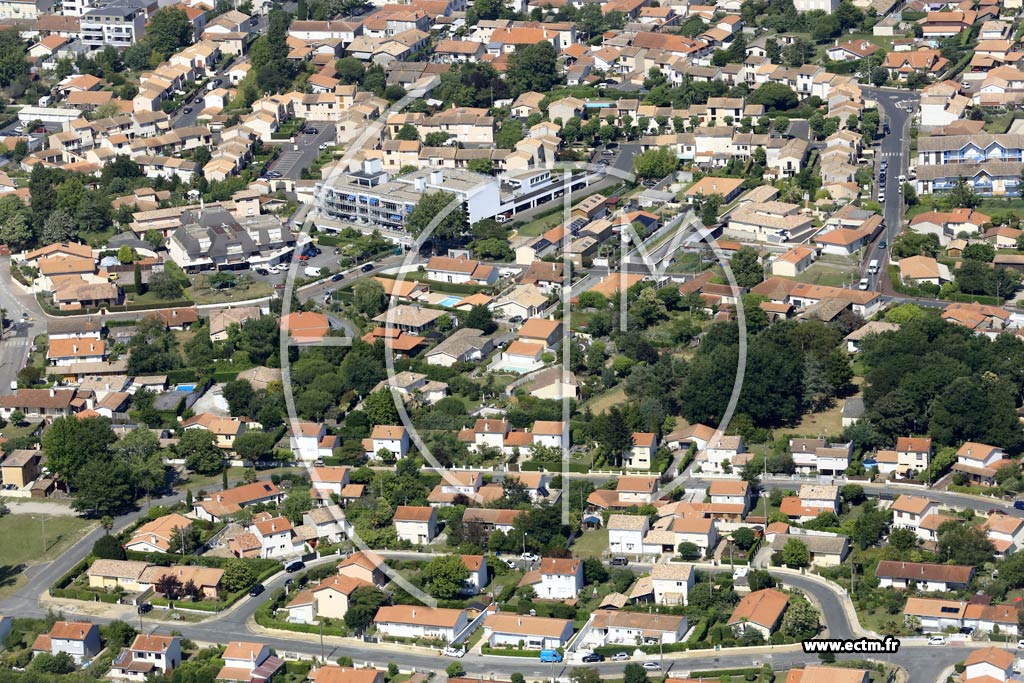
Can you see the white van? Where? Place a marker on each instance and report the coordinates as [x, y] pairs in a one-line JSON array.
[[311, 271], [873, 266]]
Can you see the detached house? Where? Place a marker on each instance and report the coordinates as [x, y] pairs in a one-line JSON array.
[[923, 576], [560, 579], [244, 661], [640, 457], [761, 610], [910, 512], [614, 627], [420, 621], [225, 503], [535, 633], [461, 271], [394, 439], [979, 462], [79, 639], [415, 524], [147, 655], [672, 582]]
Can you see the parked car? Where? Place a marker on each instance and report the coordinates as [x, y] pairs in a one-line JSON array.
[[187, 110], [1020, 644], [883, 244], [323, 146], [311, 131], [336, 277], [367, 267], [592, 657], [261, 271], [936, 640], [651, 666], [295, 566], [620, 657], [144, 608], [256, 590], [619, 561], [1017, 504], [454, 652], [550, 656], [864, 283], [529, 557]]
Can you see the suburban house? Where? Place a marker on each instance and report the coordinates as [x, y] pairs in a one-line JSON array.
[[560, 579], [641, 455], [614, 627], [310, 441], [146, 656], [276, 536], [979, 462], [461, 271], [760, 610], [420, 621], [818, 456], [394, 439], [923, 576], [155, 536], [416, 524], [328, 599], [536, 633], [730, 496], [1005, 532], [364, 566], [244, 661], [671, 582], [910, 512], [113, 574], [812, 501], [910, 454], [989, 664], [478, 578], [80, 639], [626, 533], [824, 549], [225, 503]]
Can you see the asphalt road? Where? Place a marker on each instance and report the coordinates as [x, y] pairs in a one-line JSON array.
[[17, 342], [897, 108]]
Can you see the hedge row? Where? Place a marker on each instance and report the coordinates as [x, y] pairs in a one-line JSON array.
[[509, 652]]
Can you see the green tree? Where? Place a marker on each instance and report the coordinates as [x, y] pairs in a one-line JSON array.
[[164, 286], [380, 408], [349, 70], [169, 30], [238, 576], [795, 554], [903, 539], [362, 607], [746, 267], [744, 538], [480, 318], [634, 673], [429, 207], [368, 297], [445, 576], [297, 503], [102, 488], [509, 134], [199, 449], [241, 397], [254, 445], [655, 163], [980, 251], [800, 620], [56, 664], [59, 226], [532, 67], [963, 544], [108, 548], [688, 550], [407, 132], [774, 97]]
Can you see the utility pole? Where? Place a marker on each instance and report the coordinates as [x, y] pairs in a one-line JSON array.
[[42, 520], [322, 658]]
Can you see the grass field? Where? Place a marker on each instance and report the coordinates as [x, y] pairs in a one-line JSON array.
[[245, 289], [600, 404], [591, 544], [828, 275], [21, 543]]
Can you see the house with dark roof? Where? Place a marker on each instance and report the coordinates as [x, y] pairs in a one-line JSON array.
[[923, 576], [213, 239]]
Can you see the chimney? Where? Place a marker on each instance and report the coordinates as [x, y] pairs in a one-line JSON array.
[[414, 613], [436, 177], [52, 392], [74, 348], [420, 184]]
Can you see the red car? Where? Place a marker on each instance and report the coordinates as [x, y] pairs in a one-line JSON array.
[[303, 257]]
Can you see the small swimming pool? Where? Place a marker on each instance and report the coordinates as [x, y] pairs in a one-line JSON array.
[[449, 301], [185, 387]]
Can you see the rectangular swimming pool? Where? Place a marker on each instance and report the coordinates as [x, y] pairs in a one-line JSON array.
[[449, 301]]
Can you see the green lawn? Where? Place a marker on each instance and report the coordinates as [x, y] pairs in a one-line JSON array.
[[21, 543], [540, 225], [604, 401], [243, 291], [821, 274], [591, 544]]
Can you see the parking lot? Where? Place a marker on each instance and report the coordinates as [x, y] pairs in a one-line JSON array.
[[300, 154]]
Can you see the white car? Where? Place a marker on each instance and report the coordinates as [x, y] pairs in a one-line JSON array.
[[454, 652], [864, 283], [323, 146], [881, 197], [651, 666], [512, 564], [529, 557], [936, 640], [1020, 644], [620, 657]]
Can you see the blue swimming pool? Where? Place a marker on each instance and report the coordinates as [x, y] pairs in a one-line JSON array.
[[450, 301], [185, 387]]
